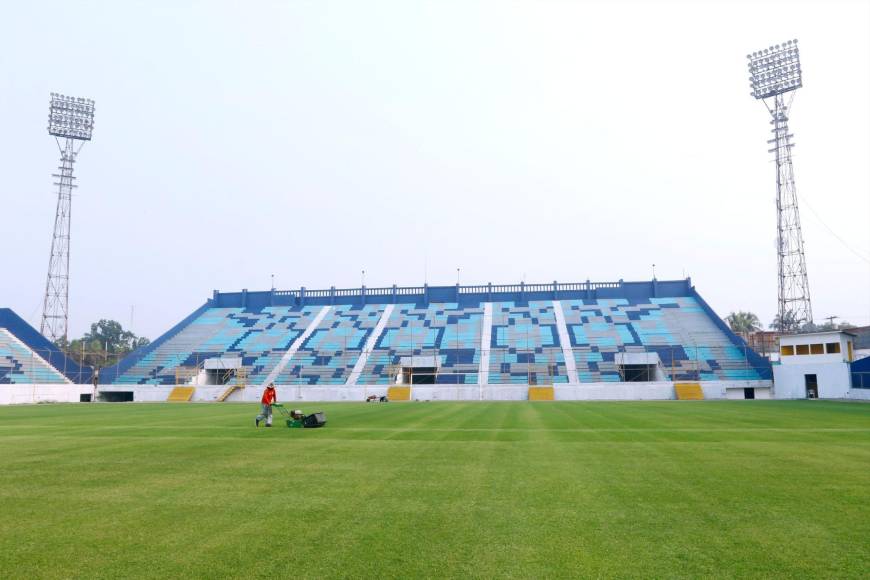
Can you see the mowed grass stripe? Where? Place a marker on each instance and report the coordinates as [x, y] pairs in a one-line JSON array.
[[437, 489]]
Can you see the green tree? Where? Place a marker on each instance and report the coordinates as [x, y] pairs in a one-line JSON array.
[[786, 323], [810, 327], [105, 344], [743, 322]]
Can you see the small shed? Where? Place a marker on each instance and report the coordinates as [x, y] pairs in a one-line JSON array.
[[814, 365]]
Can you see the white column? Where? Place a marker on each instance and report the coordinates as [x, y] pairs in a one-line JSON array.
[[485, 334], [370, 346], [300, 340], [562, 328]]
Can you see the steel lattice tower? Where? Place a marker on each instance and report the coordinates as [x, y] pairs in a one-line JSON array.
[[774, 72], [70, 120]]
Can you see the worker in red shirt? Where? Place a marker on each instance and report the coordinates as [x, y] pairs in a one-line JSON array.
[[269, 397]]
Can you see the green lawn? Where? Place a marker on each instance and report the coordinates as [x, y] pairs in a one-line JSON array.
[[526, 490]]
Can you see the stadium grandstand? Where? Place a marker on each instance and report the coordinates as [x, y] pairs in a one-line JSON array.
[[39, 368], [27, 357], [482, 341], [585, 340]]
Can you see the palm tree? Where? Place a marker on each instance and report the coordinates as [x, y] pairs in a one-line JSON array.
[[743, 322], [788, 323]]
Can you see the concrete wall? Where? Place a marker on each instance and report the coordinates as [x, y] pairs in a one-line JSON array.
[[834, 380], [19, 394], [662, 390], [833, 384], [737, 394]]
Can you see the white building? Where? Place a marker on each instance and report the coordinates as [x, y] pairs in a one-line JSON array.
[[814, 365]]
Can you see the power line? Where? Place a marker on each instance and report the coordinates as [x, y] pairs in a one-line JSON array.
[[832, 232]]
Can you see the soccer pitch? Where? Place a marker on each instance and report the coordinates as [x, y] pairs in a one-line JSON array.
[[525, 490]]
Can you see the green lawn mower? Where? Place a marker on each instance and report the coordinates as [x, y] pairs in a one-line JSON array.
[[297, 420]]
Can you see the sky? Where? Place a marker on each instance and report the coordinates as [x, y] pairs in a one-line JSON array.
[[534, 141]]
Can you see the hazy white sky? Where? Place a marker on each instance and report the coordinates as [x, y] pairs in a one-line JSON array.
[[537, 140]]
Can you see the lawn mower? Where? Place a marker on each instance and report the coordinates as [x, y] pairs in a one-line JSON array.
[[297, 420]]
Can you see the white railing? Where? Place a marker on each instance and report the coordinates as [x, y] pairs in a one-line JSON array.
[[464, 290]]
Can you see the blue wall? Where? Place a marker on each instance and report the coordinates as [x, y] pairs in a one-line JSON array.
[[860, 373]]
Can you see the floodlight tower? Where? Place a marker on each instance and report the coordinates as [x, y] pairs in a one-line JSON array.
[[774, 73], [71, 123]]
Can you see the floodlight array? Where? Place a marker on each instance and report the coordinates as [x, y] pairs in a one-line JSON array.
[[775, 70], [71, 117]]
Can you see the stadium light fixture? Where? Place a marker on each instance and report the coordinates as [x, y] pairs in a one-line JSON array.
[[71, 117], [71, 123], [775, 70]]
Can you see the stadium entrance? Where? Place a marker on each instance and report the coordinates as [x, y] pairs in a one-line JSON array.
[[116, 396], [812, 386], [638, 367], [419, 370], [638, 373]]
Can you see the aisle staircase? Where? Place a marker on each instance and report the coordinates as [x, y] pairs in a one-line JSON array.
[[542, 394], [181, 394], [689, 391], [399, 393], [241, 380]]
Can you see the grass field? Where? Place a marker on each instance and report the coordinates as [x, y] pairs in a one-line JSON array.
[[645, 489]]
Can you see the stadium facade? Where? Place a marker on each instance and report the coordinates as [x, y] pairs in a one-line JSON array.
[[585, 340]]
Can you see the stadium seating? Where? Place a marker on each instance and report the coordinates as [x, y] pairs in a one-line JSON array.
[[259, 338], [28, 357], [525, 346], [443, 330], [519, 334], [19, 364], [329, 354], [688, 342]]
